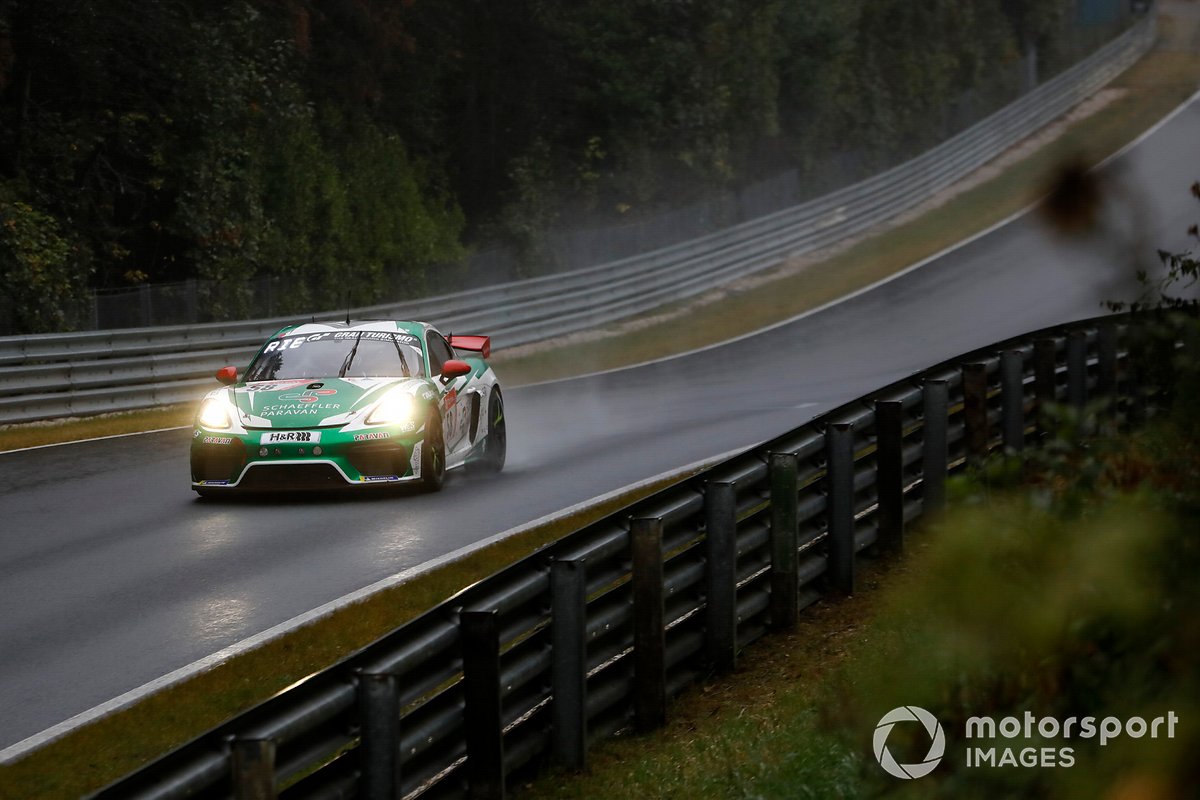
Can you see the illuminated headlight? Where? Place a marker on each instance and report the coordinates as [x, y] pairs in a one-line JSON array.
[[213, 415], [397, 408]]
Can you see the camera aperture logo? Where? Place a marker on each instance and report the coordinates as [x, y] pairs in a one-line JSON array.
[[937, 747]]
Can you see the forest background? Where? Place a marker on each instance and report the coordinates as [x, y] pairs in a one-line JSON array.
[[366, 150]]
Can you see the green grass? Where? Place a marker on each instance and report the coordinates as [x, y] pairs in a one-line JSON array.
[[737, 736], [37, 434]]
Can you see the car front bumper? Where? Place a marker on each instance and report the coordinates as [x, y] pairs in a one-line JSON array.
[[318, 458]]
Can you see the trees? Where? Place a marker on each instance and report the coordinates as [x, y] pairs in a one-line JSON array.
[[334, 142]]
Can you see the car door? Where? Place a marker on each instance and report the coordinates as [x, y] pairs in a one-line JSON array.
[[455, 405]]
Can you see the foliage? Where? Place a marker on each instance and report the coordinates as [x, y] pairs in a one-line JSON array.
[[1181, 272], [1061, 586], [1071, 593], [331, 143], [37, 265]]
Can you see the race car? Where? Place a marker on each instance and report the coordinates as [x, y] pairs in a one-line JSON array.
[[328, 405]]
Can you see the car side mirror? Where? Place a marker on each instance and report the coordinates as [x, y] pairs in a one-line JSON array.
[[453, 368], [227, 375]]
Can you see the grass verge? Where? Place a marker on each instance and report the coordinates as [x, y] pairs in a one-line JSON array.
[[39, 434]]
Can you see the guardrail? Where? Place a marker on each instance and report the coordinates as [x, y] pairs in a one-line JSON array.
[[48, 376], [595, 633]]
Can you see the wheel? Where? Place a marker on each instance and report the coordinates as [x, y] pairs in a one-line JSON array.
[[494, 447], [433, 454]]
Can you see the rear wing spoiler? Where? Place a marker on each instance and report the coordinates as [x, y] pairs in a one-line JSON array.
[[481, 344]]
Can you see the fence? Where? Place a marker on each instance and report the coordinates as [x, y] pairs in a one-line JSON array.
[[596, 633], [86, 373]]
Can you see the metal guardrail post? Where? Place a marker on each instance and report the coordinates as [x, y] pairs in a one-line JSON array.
[[889, 474], [483, 716], [1077, 342], [649, 628], [1012, 399], [379, 715], [839, 456], [935, 448], [1107, 377], [975, 411], [720, 514], [568, 634], [785, 540], [1045, 374], [253, 769]]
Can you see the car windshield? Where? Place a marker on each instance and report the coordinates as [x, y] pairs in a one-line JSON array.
[[339, 354]]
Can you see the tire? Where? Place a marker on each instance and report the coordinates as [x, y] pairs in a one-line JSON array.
[[494, 447], [433, 454]]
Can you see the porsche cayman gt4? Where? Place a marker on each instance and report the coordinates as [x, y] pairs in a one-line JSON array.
[[356, 404]]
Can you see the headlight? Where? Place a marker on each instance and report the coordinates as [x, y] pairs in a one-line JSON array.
[[213, 414], [397, 408]]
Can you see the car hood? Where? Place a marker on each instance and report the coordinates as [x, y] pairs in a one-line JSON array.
[[310, 403]]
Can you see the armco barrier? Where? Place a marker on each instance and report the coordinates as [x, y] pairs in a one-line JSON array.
[[65, 374], [596, 632]]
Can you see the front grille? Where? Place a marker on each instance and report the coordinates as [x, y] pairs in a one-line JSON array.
[[293, 476], [379, 459]]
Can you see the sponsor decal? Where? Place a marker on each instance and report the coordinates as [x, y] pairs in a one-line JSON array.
[[308, 395], [414, 461], [306, 437], [196, 433], [375, 478], [214, 483], [367, 437], [218, 440], [305, 402], [281, 409], [292, 342], [451, 398], [386, 336]]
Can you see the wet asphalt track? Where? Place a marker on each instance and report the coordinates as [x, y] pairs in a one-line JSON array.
[[113, 574]]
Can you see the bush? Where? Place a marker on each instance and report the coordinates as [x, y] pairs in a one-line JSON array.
[[40, 271]]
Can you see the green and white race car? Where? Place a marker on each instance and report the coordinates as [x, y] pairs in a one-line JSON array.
[[356, 404]]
